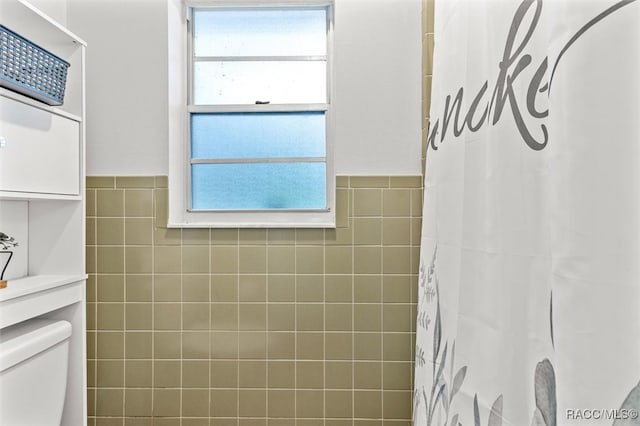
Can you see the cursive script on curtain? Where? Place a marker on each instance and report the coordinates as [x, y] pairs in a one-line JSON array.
[[513, 62]]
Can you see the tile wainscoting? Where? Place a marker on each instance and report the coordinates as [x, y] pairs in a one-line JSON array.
[[252, 326]]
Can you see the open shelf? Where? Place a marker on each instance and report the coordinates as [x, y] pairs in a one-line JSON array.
[[25, 286], [35, 296]]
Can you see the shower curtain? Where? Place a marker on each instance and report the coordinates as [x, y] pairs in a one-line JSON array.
[[529, 284]]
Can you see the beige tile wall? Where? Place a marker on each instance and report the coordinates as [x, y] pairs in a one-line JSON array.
[[224, 327]]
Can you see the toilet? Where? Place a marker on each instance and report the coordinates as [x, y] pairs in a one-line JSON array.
[[34, 358]]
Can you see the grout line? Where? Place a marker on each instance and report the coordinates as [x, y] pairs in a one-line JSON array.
[[124, 324], [381, 296], [238, 327], [210, 319], [295, 326], [154, 225], [350, 218], [266, 325]]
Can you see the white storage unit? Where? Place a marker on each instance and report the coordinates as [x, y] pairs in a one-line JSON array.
[[42, 203]]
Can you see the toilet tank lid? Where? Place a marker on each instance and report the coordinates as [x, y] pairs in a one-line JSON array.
[[26, 339]]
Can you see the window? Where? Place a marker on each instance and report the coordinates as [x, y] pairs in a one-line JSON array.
[[258, 117]]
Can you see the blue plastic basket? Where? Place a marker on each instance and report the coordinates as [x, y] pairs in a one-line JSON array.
[[31, 70]]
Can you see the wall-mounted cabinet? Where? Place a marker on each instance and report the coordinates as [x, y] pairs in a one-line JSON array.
[[42, 175]]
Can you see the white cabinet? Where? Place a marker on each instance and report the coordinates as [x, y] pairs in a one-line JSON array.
[[42, 203], [39, 150]]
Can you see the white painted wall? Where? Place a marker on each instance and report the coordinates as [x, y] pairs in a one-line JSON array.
[[377, 85]]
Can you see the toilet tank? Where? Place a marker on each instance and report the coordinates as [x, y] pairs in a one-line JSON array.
[[34, 358]]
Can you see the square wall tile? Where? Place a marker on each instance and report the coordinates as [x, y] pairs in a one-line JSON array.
[[281, 316], [138, 203], [338, 346], [138, 373], [338, 260], [338, 317], [195, 316], [224, 345], [309, 288], [139, 288], [109, 402], [367, 231], [367, 404], [339, 404], [110, 203], [195, 260], [224, 403], [252, 260], [252, 374], [281, 288], [282, 346], [224, 259], [138, 402], [166, 374], [309, 403], [166, 402], [281, 259], [224, 374], [167, 260], [138, 259], [338, 288], [281, 403], [224, 288], [309, 260], [309, 345], [195, 288], [110, 288], [252, 403], [338, 375], [281, 374], [138, 231], [195, 402], [252, 288], [309, 317], [252, 345], [138, 344], [110, 260], [367, 375], [196, 345], [109, 231], [367, 202], [309, 374]]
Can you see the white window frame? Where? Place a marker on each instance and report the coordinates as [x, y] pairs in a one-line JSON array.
[[179, 214]]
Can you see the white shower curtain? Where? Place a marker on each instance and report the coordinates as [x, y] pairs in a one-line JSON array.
[[529, 291]]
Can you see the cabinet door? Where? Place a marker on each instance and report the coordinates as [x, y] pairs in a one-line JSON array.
[[39, 150]]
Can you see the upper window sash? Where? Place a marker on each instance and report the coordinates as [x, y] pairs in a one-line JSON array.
[[282, 70]]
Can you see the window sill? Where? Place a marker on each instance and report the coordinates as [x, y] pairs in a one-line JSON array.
[[253, 219]]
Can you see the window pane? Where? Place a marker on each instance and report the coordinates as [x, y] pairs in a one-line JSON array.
[[258, 186], [274, 32], [279, 82], [258, 135]]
